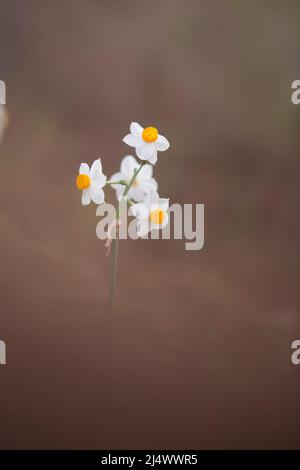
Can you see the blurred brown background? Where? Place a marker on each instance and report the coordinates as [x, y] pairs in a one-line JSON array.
[[200, 355]]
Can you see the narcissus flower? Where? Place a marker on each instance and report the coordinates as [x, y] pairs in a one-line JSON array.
[[91, 182], [151, 214], [147, 142], [143, 183]]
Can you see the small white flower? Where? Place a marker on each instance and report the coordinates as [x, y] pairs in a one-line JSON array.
[[151, 214], [146, 142], [91, 182], [143, 183]]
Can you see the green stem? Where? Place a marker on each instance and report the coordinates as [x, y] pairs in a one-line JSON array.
[[135, 173], [115, 244], [116, 182]]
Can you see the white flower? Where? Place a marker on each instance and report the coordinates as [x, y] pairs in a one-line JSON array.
[[91, 182], [151, 214], [142, 184], [146, 142]]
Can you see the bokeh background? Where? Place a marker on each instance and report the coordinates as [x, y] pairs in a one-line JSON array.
[[200, 357]]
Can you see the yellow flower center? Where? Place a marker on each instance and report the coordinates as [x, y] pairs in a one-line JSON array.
[[83, 181], [157, 216], [150, 134]]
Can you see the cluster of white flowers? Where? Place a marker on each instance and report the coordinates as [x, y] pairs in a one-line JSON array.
[[134, 181]]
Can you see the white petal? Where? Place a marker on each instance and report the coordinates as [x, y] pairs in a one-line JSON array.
[[132, 140], [117, 177], [162, 143], [136, 193], [163, 204], [84, 169], [135, 128], [153, 207], [153, 159], [145, 151], [99, 180], [119, 188], [139, 211], [145, 173], [96, 169], [151, 199], [148, 185], [128, 165], [154, 197], [86, 197], [97, 194]]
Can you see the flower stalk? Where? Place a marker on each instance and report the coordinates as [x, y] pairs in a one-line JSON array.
[[109, 183], [115, 244]]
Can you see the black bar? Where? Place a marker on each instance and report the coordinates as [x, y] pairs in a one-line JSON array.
[[147, 458]]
